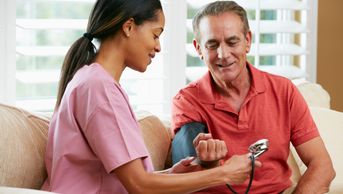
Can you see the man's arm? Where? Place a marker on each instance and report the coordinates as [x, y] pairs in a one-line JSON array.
[[182, 144], [320, 171], [191, 140]]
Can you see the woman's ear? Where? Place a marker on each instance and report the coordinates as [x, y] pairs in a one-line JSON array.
[[128, 26]]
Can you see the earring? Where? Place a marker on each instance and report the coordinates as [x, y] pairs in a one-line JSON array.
[[127, 35]]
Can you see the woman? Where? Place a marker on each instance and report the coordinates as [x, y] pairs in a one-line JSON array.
[[94, 143]]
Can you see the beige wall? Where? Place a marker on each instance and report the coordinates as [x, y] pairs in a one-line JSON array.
[[330, 50]]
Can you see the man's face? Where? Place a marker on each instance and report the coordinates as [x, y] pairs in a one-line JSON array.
[[223, 46]]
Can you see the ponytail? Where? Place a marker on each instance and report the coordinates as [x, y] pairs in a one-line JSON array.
[[81, 53]]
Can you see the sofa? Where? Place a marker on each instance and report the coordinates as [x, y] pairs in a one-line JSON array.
[[23, 138]]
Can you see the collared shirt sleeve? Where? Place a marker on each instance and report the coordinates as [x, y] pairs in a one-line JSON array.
[[303, 127], [184, 110]]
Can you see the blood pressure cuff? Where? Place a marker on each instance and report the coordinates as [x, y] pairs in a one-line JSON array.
[[182, 144]]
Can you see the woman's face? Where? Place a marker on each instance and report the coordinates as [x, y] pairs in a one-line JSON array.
[[144, 43]]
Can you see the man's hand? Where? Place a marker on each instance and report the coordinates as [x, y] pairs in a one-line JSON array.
[[209, 150]]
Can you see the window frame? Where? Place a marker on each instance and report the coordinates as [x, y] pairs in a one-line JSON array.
[[7, 51]]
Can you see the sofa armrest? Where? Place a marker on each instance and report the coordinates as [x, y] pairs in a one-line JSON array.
[[24, 136]]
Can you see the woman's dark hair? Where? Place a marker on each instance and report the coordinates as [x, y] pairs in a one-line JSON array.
[[106, 19]]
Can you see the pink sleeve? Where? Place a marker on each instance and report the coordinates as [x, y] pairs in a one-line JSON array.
[[114, 135]]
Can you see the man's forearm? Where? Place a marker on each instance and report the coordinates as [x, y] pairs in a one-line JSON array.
[[316, 179], [320, 171]]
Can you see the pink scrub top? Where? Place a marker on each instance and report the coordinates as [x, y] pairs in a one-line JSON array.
[[93, 132]]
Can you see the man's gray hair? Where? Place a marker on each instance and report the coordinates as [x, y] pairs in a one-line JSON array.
[[216, 8]]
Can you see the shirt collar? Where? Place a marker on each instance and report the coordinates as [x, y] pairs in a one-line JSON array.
[[207, 91]]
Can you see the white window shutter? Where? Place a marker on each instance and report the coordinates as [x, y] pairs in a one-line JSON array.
[[37, 38], [39, 23], [44, 33]]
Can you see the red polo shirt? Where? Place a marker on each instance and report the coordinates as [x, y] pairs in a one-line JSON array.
[[273, 109]]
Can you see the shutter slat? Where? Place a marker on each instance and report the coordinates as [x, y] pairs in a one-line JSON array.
[[48, 24], [269, 26], [42, 51], [52, 76], [253, 4]]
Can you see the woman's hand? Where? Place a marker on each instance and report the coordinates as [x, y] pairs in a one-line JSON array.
[[185, 165], [238, 168]]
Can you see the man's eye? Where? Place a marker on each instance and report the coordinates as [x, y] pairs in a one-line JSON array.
[[232, 43], [212, 46]]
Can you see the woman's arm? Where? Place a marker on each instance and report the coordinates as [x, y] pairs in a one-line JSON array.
[[183, 166], [136, 180]]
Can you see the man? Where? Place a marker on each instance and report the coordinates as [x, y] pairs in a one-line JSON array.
[[240, 104]]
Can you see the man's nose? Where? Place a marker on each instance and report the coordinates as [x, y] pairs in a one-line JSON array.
[[223, 51]]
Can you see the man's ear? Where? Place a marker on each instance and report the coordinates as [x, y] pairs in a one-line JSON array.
[[128, 27], [248, 39], [198, 48]]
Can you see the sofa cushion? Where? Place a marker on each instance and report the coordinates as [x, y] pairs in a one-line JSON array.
[[157, 139], [295, 173], [22, 147], [315, 95]]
